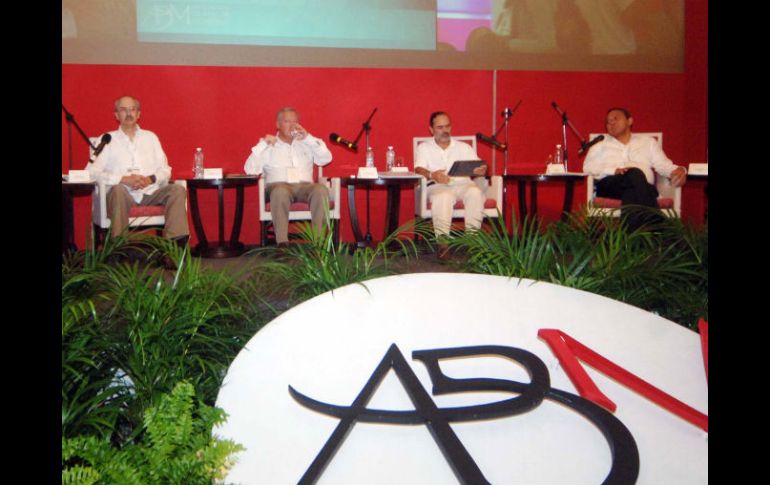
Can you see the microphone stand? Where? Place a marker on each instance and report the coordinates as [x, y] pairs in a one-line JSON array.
[[564, 123], [71, 121], [366, 127], [507, 115]]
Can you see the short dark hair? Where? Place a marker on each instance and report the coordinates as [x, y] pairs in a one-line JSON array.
[[623, 110], [436, 114]]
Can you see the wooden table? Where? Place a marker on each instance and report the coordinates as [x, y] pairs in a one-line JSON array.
[[393, 184], [68, 191], [222, 249], [704, 179], [568, 179]]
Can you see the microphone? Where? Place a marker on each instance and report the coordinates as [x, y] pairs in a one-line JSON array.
[[338, 139], [106, 138], [584, 148], [491, 140], [507, 112]]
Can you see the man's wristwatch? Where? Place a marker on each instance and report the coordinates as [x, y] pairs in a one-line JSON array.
[[153, 178]]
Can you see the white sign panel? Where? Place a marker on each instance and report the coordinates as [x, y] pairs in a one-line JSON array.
[[328, 348]]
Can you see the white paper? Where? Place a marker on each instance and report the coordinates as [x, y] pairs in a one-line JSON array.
[[79, 176], [212, 173]]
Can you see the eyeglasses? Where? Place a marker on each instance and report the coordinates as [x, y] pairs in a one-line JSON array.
[[128, 110]]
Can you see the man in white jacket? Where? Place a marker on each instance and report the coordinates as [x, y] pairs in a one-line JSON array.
[[623, 165], [286, 161], [134, 163]]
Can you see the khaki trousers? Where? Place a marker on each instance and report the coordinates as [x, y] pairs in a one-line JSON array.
[[282, 195], [172, 197]]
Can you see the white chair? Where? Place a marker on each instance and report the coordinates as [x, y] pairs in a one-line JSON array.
[[139, 217], [300, 211], [669, 197], [493, 205]]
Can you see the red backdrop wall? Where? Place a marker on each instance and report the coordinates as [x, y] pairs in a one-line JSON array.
[[226, 110]]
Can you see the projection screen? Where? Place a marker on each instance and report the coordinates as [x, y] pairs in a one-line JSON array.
[[553, 35]]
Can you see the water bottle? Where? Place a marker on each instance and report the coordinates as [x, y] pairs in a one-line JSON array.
[[369, 157], [198, 167], [390, 159], [557, 156]]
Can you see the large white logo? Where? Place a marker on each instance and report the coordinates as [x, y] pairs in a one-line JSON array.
[[290, 392]]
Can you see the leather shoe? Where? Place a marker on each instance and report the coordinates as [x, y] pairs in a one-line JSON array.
[[443, 251]]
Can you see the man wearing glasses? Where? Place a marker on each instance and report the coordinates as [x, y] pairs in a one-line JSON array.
[[134, 163]]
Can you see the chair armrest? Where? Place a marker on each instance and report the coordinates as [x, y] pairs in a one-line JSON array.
[[590, 190], [334, 195], [99, 205], [421, 198], [495, 191]]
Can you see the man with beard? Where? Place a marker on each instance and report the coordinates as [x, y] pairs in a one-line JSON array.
[[134, 163], [432, 160]]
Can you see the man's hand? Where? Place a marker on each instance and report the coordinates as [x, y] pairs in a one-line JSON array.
[[270, 139], [621, 170], [678, 177], [480, 171], [136, 181], [440, 176], [301, 132]]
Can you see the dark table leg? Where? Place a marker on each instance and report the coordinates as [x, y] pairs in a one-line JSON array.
[[522, 200], [569, 190], [236, 231], [354, 215], [203, 243], [533, 197], [221, 210], [368, 235], [393, 208]]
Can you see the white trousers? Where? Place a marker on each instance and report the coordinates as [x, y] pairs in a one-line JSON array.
[[443, 198]]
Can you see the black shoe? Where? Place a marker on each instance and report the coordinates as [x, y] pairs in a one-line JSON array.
[[181, 241], [443, 251]]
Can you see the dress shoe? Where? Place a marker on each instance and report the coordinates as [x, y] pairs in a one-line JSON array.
[[443, 251]]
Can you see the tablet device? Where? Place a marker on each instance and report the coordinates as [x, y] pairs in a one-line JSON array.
[[464, 168]]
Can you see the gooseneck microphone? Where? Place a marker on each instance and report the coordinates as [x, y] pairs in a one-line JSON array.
[[584, 148], [335, 138], [491, 140], [106, 138]]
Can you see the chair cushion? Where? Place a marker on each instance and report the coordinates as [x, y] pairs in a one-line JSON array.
[[607, 203], [299, 206], [488, 204], [146, 211]]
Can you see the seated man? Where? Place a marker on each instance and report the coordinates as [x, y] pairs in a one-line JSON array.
[[432, 160], [623, 165], [287, 159], [134, 163]]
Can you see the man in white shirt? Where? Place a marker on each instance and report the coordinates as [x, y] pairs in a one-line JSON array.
[[623, 165], [432, 160], [134, 163], [286, 161]]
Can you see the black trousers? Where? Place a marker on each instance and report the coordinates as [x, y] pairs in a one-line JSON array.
[[632, 189]]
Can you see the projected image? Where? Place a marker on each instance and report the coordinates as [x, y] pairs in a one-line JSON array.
[[566, 35], [372, 24], [594, 27]]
